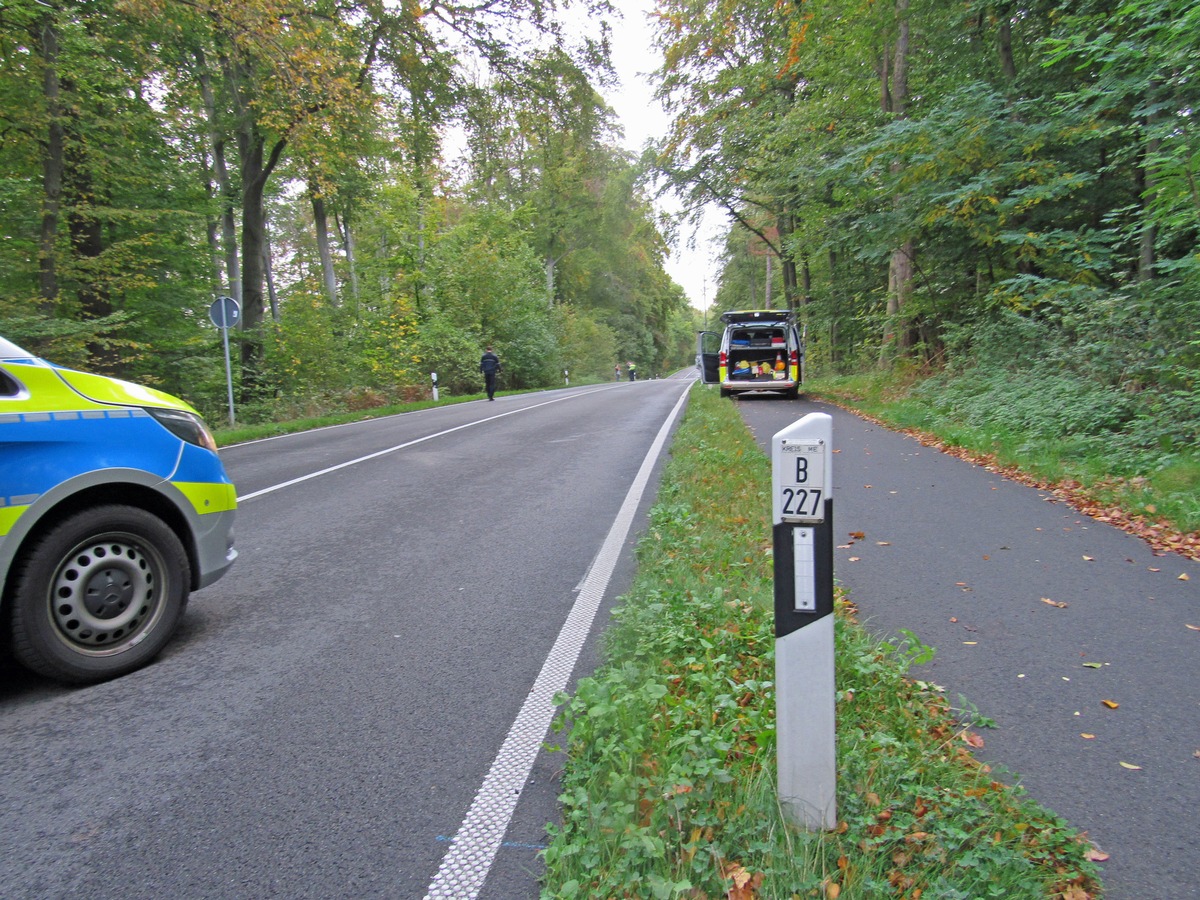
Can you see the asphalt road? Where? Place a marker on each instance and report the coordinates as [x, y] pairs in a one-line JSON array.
[[966, 559], [344, 714]]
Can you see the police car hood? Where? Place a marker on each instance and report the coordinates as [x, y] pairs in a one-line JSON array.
[[102, 389]]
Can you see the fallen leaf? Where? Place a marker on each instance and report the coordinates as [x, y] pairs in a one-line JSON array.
[[1111, 704], [1059, 603], [1194, 627], [855, 558], [1089, 559], [858, 535], [1184, 577], [1092, 665], [883, 543], [1126, 765], [1095, 854], [970, 643], [973, 739], [1086, 736], [955, 619]]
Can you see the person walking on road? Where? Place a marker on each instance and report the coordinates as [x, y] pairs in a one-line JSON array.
[[489, 365]]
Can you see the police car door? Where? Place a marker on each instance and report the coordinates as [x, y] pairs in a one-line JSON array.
[[708, 349]]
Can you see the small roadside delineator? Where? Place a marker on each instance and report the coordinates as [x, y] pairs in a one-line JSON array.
[[802, 516]]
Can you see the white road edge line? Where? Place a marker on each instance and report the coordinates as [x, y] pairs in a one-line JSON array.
[[420, 440], [466, 864]]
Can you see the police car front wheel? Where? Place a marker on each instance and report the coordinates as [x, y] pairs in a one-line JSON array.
[[99, 594]]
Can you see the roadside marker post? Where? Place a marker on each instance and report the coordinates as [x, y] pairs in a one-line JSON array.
[[802, 516]]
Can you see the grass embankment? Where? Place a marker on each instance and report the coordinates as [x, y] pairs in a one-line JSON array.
[[1055, 434], [228, 435], [669, 786]]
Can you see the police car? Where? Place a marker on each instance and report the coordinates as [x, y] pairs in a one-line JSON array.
[[759, 350], [114, 507]]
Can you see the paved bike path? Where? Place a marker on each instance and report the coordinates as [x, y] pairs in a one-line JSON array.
[[967, 560]]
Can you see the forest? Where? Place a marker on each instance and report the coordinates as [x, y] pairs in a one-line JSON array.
[[388, 185]]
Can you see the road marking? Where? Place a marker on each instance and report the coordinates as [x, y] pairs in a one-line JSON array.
[[466, 864], [420, 440]]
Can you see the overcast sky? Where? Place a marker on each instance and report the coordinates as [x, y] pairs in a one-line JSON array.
[[693, 269]]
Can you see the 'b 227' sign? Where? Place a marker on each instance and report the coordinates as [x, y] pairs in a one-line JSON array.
[[801, 481]]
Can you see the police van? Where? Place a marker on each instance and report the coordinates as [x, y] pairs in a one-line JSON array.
[[114, 507], [759, 350]]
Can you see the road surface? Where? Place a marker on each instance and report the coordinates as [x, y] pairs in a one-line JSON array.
[[325, 723], [1039, 615]]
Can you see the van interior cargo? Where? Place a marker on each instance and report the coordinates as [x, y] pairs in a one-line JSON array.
[[758, 354]]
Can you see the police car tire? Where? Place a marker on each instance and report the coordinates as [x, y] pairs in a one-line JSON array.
[[127, 552]]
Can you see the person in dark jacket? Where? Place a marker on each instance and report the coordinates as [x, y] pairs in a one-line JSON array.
[[489, 365]]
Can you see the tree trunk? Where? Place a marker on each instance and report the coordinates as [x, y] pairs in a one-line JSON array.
[[52, 169], [347, 235], [321, 223], [1008, 63], [900, 270], [269, 273], [786, 224], [256, 169], [229, 245]]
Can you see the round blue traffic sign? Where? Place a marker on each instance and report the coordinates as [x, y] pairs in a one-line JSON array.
[[225, 312]]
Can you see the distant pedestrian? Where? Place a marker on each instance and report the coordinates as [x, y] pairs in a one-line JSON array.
[[489, 365], [632, 371], [617, 373]]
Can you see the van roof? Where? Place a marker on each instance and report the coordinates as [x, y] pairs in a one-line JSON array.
[[758, 317]]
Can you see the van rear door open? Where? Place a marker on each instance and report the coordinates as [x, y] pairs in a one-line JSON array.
[[708, 350]]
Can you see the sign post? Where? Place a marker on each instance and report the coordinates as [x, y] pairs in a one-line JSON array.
[[802, 515], [433, 375], [225, 313]]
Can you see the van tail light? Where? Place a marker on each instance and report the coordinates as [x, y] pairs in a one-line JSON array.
[[794, 357], [722, 358]]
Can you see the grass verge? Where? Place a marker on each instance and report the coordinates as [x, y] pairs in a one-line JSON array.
[[669, 783], [228, 435], [1147, 489]]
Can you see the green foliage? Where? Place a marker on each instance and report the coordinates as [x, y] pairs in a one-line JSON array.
[[1058, 398], [1043, 162], [588, 349], [669, 788], [157, 156]]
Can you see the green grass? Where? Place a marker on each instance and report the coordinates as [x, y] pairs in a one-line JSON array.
[[669, 780], [227, 435]]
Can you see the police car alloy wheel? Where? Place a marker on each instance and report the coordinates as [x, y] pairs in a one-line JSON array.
[[99, 594]]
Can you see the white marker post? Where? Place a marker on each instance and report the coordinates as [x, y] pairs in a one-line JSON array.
[[802, 513]]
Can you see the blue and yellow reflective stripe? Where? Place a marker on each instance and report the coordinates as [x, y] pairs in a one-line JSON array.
[[9, 516], [208, 496], [68, 415]]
